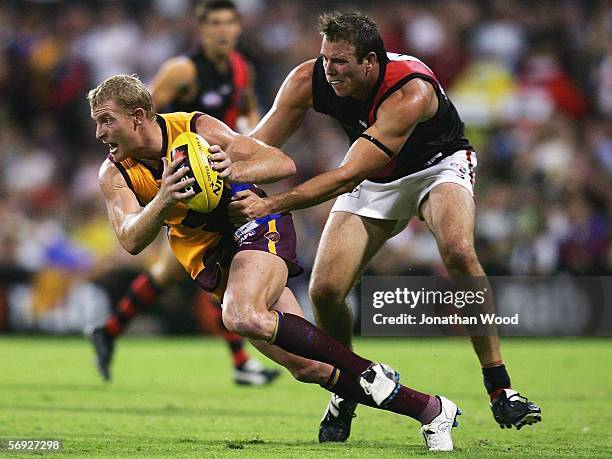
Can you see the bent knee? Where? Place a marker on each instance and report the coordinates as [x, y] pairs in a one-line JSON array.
[[459, 254], [308, 371], [244, 321], [326, 293]]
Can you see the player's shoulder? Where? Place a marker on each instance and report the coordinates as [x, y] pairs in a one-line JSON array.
[[180, 67], [414, 98], [297, 88], [181, 61], [107, 169], [421, 80], [415, 88], [302, 73], [209, 126], [112, 172], [109, 176]]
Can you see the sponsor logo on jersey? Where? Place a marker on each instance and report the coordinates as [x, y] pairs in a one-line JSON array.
[[244, 237], [434, 159], [212, 99], [244, 231]]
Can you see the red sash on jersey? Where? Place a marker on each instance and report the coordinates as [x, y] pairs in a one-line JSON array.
[[397, 73], [240, 72]]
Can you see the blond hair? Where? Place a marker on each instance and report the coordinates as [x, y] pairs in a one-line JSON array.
[[127, 90]]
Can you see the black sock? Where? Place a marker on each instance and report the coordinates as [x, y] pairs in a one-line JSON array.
[[495, 379]]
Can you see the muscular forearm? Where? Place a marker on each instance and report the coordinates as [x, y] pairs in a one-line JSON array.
[[268, 165], [139, 230], [314, 191]]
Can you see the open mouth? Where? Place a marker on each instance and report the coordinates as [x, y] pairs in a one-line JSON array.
[[335, 83]]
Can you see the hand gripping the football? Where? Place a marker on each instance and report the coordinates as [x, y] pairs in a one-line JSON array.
[[175, 186], [221, 162]]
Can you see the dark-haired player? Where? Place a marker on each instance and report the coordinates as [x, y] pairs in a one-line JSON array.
[[409, 158], [214, 79], [248, 268]]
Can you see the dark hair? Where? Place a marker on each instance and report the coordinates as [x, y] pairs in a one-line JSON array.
[[355, 28], [204, 8]]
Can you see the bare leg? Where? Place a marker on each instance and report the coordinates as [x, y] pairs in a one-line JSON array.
[[348, 242], [255, 283], [449, 212]]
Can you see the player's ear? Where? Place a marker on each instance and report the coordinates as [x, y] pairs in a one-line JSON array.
[[370, 60], [139, 116]]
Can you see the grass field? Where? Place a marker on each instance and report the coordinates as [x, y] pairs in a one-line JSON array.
[[173, 397]]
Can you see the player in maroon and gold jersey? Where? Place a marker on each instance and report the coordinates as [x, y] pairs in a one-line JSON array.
[[248, 269], [216, 80]]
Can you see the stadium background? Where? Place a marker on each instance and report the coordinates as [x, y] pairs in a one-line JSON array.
[[532, 81]]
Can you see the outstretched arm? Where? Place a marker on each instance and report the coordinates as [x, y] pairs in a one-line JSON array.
[[255, 159], [396, 119]]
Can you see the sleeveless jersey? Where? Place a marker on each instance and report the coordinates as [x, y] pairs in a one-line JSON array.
[[429, 142], [220, 95], [190, 233]]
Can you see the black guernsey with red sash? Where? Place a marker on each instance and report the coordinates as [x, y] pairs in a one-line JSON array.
[[431, 140]]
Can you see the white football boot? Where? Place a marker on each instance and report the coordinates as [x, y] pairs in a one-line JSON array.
[[253, 373], [381, 382], [437, 433]]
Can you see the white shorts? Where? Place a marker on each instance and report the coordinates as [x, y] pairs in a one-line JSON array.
[[401, 199]]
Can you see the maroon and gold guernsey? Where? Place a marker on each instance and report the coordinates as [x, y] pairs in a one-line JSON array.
[[188, 241], [205, 243]]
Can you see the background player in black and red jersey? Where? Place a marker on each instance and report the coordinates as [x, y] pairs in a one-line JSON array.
[[217, 80], [409, 158]]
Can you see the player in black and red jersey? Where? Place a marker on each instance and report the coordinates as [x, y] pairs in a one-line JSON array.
[[409, 158], [216, 80]]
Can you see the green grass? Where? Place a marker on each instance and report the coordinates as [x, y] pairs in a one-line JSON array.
[[174, 397]]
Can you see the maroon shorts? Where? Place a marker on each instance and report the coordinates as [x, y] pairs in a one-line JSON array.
[[276, 236]]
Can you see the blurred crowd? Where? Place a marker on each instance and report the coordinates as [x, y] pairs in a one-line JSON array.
[[531, 80]]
